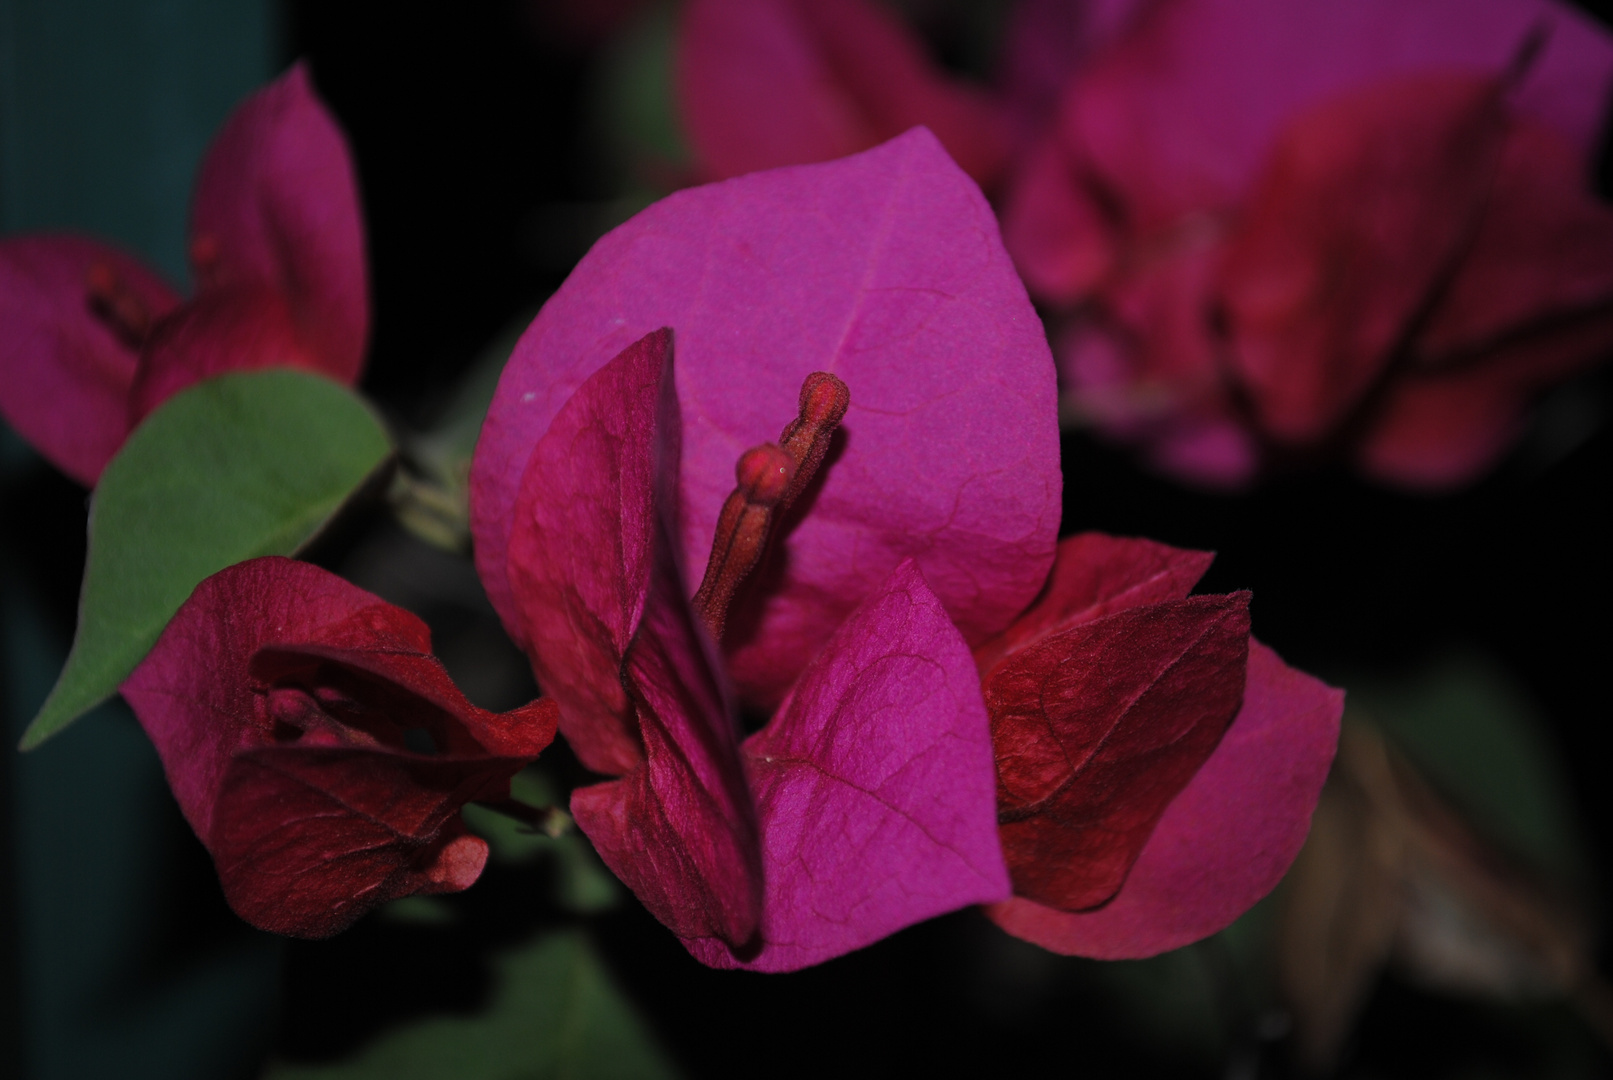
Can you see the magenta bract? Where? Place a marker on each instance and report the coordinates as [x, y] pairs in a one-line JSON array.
[[863, 806], [319, 750], [885, 269], [90, 342], [866, 803]]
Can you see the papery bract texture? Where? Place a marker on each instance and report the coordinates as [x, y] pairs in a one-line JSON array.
[[1272, 216], [1097, 728], [884, 269], [67, 351], [1111, 699], [583, 544], [1225, 841], [318, 749], [766, 83], [91, 342], [865, 805], [871, 786]]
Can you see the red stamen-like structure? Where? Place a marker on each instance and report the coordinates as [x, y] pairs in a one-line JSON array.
[[770, 478]]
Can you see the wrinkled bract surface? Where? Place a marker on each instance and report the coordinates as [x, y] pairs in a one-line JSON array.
[[319, 750], [1116, 701], [90, 341], [865, 805], [1274, 217]]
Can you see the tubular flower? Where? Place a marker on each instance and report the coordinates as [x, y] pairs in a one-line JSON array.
[[907, 511], [1281, 231], [91, 341], [319, 750]]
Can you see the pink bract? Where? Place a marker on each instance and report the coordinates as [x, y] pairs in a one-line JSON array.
[[282, 700], [864, 805], [884, 269], [65, 373], [91, 342]]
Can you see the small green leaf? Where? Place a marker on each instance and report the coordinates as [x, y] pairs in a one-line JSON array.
[[239, 466], [554, 1013]]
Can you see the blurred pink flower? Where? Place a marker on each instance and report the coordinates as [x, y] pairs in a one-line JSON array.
[[91, 341], [1291, 228], [765, 83]]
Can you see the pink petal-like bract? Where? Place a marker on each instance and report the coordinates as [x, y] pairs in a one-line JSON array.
[[873, 787], [865, 806], [766, 83], [885, 269], [1180, 113], [319, 750], [73, 314], [611, 640], [680, 830], [277, 249], [1225, 841]]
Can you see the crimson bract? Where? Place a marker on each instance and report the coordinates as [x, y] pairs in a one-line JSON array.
[[319, 750]]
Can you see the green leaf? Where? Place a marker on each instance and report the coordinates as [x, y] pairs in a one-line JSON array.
[[243, 465], [554, 1013]]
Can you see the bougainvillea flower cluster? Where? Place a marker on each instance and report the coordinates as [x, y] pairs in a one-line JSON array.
[[91, 341], [1291, 230], [866, 803], [904, 519], [319, 750]]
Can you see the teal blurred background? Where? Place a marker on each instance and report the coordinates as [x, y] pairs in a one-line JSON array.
[[111, 970]]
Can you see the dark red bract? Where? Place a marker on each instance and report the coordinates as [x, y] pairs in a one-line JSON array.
[[319, 750], [1111, 698]]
